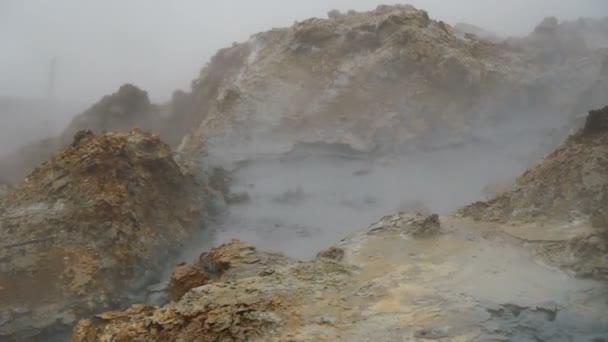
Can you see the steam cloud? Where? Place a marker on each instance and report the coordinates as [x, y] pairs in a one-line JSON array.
[[161, 46]]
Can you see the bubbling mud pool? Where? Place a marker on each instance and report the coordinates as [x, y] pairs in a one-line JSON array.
[[305, 201], [307, 197]]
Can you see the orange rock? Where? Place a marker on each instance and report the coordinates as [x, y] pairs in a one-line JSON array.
[[185, 278]]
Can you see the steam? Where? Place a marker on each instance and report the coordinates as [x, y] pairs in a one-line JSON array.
[[304, 201], [161, 46]]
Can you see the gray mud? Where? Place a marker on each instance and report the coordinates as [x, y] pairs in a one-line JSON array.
[[301, 203]]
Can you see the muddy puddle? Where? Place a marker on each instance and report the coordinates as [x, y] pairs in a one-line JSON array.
[[305, 197], [306, 200]]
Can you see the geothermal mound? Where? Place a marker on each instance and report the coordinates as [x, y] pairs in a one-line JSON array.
[[90, 227], [389, 80], [126, 109]]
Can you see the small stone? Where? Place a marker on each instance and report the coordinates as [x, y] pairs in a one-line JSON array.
[[266, 273], [433, 333], [326, 320], [597, 121], [333, 253], [81, 135], [376, 226], [426, 226]]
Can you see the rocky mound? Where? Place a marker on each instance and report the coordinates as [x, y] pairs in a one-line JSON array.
[[126, 109], [90, 227], [385, 283], [387, 80], [568, 185], [352, 79], [568, 190]]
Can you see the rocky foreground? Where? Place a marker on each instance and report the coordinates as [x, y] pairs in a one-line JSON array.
[[90, 227], [504, 275]]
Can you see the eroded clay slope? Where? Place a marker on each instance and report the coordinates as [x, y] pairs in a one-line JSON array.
[[89, 228]]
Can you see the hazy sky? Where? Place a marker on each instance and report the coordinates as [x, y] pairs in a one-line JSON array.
[[161, 45]]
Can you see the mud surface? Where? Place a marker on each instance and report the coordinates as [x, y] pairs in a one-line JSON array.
[[303, 200]]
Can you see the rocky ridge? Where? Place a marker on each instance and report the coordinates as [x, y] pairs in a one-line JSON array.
[[388, 80]]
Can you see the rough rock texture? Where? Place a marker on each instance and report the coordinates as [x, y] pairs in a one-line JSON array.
[[381, 284], [387, 80], [89, 227], [418, 226], [569, 184], [229, 261], [472, 32], [126, 109], [568, 192], [129, 107], [184, 278]]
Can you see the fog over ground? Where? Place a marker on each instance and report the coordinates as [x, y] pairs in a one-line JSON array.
[[293, 193], [161, 45]]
